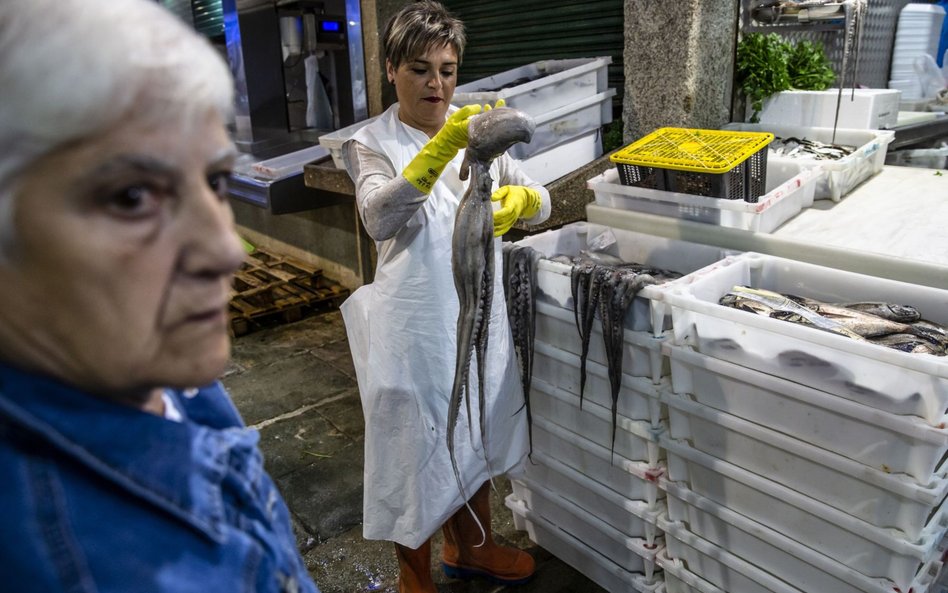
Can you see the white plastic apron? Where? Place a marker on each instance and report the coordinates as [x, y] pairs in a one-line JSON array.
[[402, 333]]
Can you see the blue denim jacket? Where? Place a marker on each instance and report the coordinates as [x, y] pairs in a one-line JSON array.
[[99, 497]]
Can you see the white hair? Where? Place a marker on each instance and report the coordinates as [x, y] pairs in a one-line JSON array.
[[70, 69]]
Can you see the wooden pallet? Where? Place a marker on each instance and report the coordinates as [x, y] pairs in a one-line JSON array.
[[270, 289]]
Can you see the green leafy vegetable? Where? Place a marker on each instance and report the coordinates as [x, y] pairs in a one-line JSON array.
[[809, 68], [768, 64], [762, 68]]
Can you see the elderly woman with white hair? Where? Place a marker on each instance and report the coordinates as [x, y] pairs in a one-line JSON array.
[[125, 465]]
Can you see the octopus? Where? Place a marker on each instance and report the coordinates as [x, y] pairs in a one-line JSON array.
[[608, 289], [520, 286], [490, 134]]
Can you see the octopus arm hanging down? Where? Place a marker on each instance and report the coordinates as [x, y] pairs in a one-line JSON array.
[[520, 286], [472, 256]]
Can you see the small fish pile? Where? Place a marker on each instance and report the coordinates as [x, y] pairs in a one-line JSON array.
[[605, 285], [520, 288], [887, 324], [803, 148]]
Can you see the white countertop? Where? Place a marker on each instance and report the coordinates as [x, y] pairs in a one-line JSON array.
[[893, 225], [900, 212]]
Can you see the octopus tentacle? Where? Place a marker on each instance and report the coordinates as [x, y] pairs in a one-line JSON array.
[[472, 260]]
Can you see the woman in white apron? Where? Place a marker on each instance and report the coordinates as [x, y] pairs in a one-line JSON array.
[[402, 327]]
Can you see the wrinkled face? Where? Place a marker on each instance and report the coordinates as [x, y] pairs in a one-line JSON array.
[[425, 87], [122, 258]]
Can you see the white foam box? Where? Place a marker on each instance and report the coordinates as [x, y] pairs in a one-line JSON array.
[[772, 552], [888, 443], [694, 554], [781, 203], [634, 480], [634, 439], [631, 553], [566, 123], [840, 176], [871, 109], [874, 375], [564, 158], [638, 397], [641, 353], [871, 550], [334, 140], [539, 87], [646, 313], [633, 518], [882, 499], [678, 579], [578, 554], [692, 564]]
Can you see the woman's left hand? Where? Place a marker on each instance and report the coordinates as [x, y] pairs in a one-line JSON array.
[[516, 201]]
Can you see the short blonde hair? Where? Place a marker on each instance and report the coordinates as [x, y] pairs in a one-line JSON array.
[[71, 69], [420, 26]]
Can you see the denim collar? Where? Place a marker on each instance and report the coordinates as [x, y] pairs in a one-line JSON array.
[[177, 466]]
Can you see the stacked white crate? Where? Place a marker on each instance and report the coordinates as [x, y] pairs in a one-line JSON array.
[[569, 101], [800, 460], [593, 505]]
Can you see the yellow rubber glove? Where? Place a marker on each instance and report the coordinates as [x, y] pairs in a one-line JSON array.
[[516, 201], [427, 166]]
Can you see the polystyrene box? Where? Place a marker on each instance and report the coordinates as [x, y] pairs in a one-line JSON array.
[[564, 158], [635, 480], [881, 553], [871, 109], [693, 564], [890, 443], [578, 554], [638, 397], [645, 313], [678, 579], [877, 376], [540, 87], [566, 123], [641, 353], [708, 568], [777, 554], [882, 499], [840, 176], [634, 518], [634, 439], [334, 140], [634, 554], [777, 206]]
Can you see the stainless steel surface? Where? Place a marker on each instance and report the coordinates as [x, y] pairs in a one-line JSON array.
[[920, 133], [876, 42], [356, 60], [270, 66], [282, 196]]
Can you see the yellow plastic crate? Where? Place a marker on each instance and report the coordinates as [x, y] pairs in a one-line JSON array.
[[716, 163]]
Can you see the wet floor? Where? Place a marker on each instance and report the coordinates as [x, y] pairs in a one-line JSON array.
[[296, 384]]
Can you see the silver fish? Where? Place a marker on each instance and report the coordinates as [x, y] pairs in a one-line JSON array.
[[890, 311], [490, 134]]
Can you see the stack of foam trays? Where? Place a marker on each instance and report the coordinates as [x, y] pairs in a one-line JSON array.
[[593, 503], [798, 460]]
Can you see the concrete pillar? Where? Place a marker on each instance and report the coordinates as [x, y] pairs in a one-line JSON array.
[[679, 64]]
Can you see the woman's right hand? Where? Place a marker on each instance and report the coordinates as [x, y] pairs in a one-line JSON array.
[[429, 163]]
